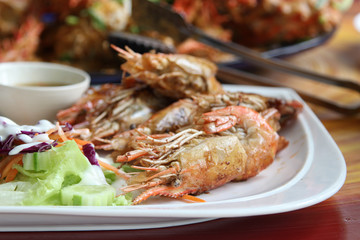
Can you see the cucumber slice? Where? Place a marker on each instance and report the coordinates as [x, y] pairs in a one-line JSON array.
[[88, 195], [38, 161], [65, 161]]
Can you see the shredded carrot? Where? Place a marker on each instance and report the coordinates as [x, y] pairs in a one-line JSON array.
[[50, 131], [192, 198], [9, 167], [54, 136], [61, 133], [11, 175], [114, 169], [80, 142], [4, 162]]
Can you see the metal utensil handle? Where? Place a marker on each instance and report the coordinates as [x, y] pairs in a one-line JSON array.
[[231, 75], [161, 17], [272, 64]]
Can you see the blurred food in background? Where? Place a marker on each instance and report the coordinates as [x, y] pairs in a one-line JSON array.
[[79, 33], [19, 31], [262, 25], [75, 32], [67, 31]]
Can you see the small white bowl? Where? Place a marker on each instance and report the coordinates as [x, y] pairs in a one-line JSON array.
[[31, 91]]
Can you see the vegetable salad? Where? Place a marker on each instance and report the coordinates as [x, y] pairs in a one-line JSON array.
[[46, 164]]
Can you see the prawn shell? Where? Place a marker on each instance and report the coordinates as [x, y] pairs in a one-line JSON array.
[[211, 164], [173, 75]]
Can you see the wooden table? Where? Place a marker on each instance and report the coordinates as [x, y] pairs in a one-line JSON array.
[[336, 218]]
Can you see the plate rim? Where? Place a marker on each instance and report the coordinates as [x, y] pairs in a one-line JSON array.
[[236, 209]]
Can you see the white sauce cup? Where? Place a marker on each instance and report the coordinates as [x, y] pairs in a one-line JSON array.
[[31, 91]]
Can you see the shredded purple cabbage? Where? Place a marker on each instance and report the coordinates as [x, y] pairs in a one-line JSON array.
[[67, 127], [89, 152], [29, 133], [6, 145], [41, 147]]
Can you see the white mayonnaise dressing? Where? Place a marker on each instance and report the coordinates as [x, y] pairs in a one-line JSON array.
[[8, 127], [93, 175]]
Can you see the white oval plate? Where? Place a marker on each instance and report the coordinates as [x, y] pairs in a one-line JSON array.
[[308, 171]]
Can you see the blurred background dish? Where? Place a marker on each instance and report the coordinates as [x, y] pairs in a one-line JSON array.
[[262, 25], [75, 32], [72, 32]]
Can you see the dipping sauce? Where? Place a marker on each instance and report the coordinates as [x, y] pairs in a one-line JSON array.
[[41, 84], [30, 91]]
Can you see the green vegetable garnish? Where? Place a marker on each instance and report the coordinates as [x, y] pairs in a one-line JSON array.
[[60, 176], [72, 20]]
